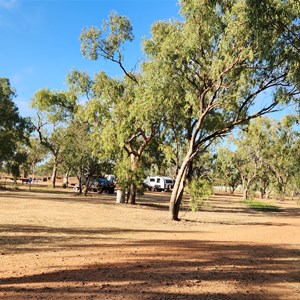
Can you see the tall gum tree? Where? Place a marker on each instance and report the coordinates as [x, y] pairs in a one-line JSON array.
[[123, 122], [124, 118], [224, 59]]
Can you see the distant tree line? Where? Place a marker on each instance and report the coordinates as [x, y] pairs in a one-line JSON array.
[[264, 157]]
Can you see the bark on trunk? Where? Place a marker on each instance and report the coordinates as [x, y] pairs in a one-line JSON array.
[[177, 193], [66, 179], [246, 184], [131, 197], [132, 193], [54, 174], [281, 189], [79, 184], [87, 184], [245, 193], [79, 177]]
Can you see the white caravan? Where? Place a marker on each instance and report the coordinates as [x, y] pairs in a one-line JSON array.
[[159, 183]]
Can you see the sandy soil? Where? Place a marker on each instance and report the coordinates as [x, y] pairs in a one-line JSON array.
[[56, 245]]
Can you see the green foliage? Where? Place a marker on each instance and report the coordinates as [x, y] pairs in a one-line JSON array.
[[79, 83], [124, 114], [265, 157], [214, 56], [106, 42], [281, 155], [13, 166], [36, 152], [57, 105], [127, 175], [262, 206], [76, 149], [14, 130], [219, 58], [199, 190], [226, 170]]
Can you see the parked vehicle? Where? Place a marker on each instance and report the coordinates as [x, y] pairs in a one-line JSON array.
[[111, 178], [99, 184], [159, 183]]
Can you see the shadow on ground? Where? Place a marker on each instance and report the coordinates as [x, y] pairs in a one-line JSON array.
[[168, 270], [146, 269]]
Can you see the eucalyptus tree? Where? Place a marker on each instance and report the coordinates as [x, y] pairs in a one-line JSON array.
[[75, 150], [124, 116], [266, 156], [54, 110], [224, 59], [241, 165], [14, 129], [171, 141], [78, 155], [282, 155], [226, 172], [248, 163], [263, 183], [35, 153], [13, 166]]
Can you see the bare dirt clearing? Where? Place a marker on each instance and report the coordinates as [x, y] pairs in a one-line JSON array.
[[56, 245]]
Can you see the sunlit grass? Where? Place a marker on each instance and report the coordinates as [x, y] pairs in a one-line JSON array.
[[261, 205]]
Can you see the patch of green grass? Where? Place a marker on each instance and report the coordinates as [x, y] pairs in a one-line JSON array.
[[260, 205]]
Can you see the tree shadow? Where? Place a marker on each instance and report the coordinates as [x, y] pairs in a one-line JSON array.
[[155, 269], [287, 212], [149, 269], [25, 238]]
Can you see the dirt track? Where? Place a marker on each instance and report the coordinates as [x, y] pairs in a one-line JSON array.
[[62, 246]]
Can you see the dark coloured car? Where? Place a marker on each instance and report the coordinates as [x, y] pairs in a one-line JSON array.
[[102, 185]]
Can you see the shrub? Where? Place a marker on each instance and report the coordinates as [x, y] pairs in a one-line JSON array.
[[199, 190]]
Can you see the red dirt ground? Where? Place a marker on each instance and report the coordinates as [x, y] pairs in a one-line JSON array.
[[57, 245]]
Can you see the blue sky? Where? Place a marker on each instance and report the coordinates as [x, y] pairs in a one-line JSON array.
[[40, 39]]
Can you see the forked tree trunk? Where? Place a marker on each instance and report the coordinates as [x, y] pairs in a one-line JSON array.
[[246, 184]]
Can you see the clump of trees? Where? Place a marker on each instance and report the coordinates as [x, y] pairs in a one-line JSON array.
[[214, 66], [201, 77], [14, 131], [263, 157]]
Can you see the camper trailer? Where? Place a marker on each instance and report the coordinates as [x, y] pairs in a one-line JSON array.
[[159, 183]]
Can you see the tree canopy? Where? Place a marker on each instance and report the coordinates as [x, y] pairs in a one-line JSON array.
[[14, 129], [221, 59], [220, 66]]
